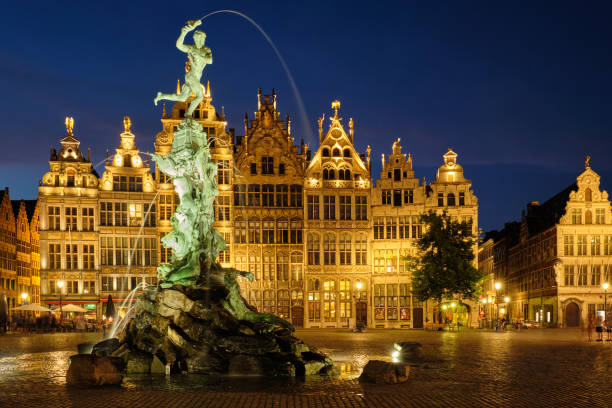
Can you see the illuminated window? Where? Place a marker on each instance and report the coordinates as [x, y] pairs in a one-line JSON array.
[[595, 245], [55, 256], [134, 215], [314, 300], [329, 207], [391, 228], [222, 208], [379, 302], [282, 266], [87, 219], [344, 302], [223, 172], [568, 245], [379, 228], [582, 245], [296, 266], [71, 219], [88, 257], [240, 195], [296, 231], [53, 218], [392, 301], [72, 256], [576, 216], [329, 300]]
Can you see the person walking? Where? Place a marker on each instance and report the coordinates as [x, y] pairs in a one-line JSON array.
[[599, 328], [590, 327]]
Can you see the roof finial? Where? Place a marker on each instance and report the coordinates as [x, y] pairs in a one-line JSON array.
[[178, 86], [335, 106], [587, 161], [127, 124], [208, 89], [69, 124]]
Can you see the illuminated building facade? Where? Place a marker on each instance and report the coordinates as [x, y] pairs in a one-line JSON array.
[[325, 247], [559, 257]]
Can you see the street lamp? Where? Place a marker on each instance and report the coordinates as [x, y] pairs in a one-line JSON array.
[[24, 296], [605, 288], [60, 285], [497, 287]]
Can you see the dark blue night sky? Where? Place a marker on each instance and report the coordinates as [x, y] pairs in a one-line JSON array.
[[521, 91]]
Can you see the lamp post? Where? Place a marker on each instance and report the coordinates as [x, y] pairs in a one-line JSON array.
[[24, 296], [605, 288], [358, 285], [497, 287], [60, 285]]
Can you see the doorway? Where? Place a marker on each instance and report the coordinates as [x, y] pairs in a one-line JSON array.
[[417, 318], [572, 315], [361, 313], [297, 316]]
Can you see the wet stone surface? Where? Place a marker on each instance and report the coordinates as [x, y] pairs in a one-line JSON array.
[[549, 368]]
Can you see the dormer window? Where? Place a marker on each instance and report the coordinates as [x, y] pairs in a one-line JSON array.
[[70, 178], [347, 153], [336, 152], [325, 152], [397, 175]]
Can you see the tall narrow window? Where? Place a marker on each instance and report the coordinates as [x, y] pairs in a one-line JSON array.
[[282, 195], [240, 195], [314, 300], [269, 301], [379, 228], [344, 248], [296, 266], [255, 264], [254, 195], [450, 200], [440, 199], [568, 245], [267, 195], [268, 266], [71, 219], [361, 249], [361, 208], [329, 301], [345, 302], [345, 207], [55, 256], [397, 175], [240, 231], [461, 198], [392, 301], [88, 257], [106, 250], [223, 172], [576, 216], [254, 231], [588, 217], [87, 219], [588, 195], [282, 231], [386, 197], [391, 228], [582, 245], [296, 231], [267, 165], [313, 246], [268, 231], [253, 168], [404, 227], [408, 196], [53, 218], [282, 266], [379, 302], [569, 275], [329, 249], [595, 245], [313, 207], [600, 216], [329, 207], [296, 195]]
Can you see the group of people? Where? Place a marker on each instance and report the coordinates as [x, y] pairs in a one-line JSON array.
[[599, 325], [50, 323]]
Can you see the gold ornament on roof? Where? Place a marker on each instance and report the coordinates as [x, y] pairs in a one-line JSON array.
[[335, 106], [69, 124], [587, 161], [127, 124]]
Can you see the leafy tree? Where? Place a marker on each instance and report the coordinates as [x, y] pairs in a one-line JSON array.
[[445, 269]]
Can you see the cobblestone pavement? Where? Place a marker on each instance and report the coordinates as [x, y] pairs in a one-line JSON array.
[[537, 368]]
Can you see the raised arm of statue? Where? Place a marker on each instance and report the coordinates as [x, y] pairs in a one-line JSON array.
[[166, 165], [190, 26]]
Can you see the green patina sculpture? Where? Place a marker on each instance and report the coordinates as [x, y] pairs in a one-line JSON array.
[[199, 56]]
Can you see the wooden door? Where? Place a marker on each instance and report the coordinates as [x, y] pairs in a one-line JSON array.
[[297, 316], [361, 313], [417, 318], [572, 315]]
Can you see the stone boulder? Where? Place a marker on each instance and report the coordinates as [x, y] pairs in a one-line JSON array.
[[383, 372], [85, 348], [105, 347], [89, 370]]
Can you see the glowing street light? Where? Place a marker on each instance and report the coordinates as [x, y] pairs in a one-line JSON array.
[[506, 299]]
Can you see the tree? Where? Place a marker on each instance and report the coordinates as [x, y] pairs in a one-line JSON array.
[[445, 269]]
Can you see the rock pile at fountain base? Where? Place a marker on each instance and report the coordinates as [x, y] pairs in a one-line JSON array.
[[209, 328]]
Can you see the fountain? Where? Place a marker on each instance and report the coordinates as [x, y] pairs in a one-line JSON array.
[[196, 320]]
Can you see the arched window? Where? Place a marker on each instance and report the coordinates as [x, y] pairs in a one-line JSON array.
[[450, 200], [347, 174], [268, 231], [336, 152], [325, 174], [341, 174], [325, 152], [344, 247], [361, 249], [347, 153], [588, 217], [297, 297], [314, 300], [332, 175], [588, 196]]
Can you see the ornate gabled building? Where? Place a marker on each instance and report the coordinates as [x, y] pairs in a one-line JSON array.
[[268, 213], [398, 201], [127, 224], [558, 257], [27, 250], [8, 250], [68, 200], [337, 224]]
